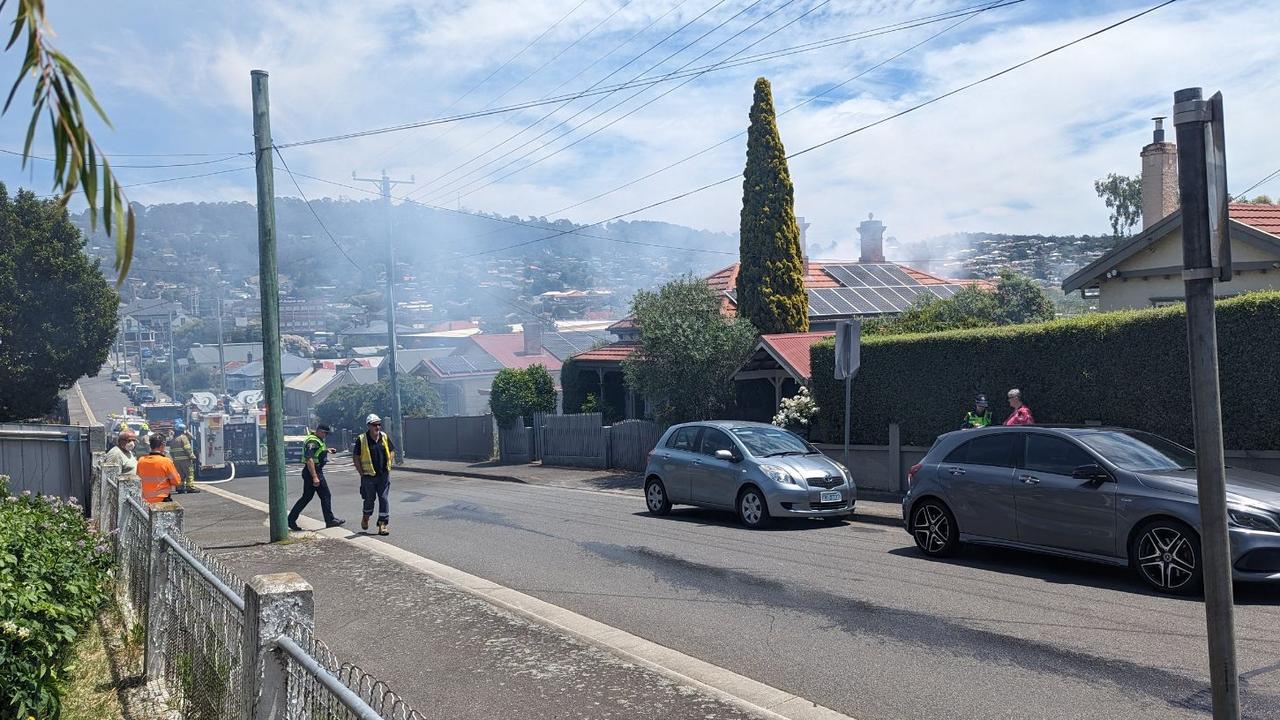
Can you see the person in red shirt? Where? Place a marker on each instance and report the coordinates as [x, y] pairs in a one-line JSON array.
[[1021, 413]]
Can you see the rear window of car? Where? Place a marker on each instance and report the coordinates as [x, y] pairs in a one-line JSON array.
[[683, 439], [1049, 454], [994, 449]]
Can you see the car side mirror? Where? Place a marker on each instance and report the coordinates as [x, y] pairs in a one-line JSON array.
[[1091, 472], [726, 455]]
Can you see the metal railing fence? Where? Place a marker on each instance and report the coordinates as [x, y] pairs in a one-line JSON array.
[[207, 653]]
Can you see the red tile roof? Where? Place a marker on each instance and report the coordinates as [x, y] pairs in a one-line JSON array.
[[1260, 217], [793, 349], [508, 349], [615, 352]]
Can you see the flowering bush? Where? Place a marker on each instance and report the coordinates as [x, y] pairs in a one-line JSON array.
[[54, 572], [797, 410]]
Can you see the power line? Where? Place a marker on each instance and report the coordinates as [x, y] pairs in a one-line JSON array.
[[597, 91], [135, 167], [314, 214], [188, 177], [1260, 182], [615, 71], [797, 106], [639, 107], [837, 138]]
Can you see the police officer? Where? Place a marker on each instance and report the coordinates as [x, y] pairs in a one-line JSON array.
[[315, 453], [979, 417], [183, 455]]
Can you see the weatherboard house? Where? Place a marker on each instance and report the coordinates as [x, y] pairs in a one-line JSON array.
[[1146, 270], [837, 290]]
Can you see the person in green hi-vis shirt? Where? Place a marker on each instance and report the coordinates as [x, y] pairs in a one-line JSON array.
[[979, 417]]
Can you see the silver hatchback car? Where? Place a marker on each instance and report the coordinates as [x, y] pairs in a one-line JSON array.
[[757, 470], [1110, 495]]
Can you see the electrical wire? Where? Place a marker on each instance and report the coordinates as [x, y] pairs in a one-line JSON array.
[[839, 137], [573, 96], [314, 214], [135, 167], [615, 71], [797, 106], [1260, 182]]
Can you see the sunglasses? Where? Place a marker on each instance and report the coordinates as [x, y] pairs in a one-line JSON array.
[[375, 424]]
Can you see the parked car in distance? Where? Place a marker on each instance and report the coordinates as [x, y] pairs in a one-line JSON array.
[[144, 394], [759, 471], [121, 378], [1109, 495]]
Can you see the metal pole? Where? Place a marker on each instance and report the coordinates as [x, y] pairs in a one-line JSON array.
[[222, 359], [848, 397], [269, 291], [1190, 117], [384, 186], [173, 374]]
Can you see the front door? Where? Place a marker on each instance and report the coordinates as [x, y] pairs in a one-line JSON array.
[[978, 476], [1057, 510], [712, 480]]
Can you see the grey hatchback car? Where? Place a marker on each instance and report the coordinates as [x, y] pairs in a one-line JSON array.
[[759, 471], [1110, 495]]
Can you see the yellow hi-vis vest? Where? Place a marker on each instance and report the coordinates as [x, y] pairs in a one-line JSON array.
[[366, 459]]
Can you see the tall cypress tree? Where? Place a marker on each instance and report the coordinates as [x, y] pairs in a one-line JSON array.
[[771, 275]]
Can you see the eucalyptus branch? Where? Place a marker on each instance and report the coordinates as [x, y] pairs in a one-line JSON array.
[[78, 162]]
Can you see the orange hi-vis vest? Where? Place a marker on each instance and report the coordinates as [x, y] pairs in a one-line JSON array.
[[159, 477]]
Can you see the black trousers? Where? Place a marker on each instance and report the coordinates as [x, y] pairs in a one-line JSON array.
[[375, 487], [310, 490]]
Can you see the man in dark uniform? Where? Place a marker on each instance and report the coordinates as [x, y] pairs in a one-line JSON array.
[[373, 455], [315, 453], [979, 417]]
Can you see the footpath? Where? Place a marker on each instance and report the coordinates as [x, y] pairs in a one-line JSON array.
[[448, 653], [877, 508]]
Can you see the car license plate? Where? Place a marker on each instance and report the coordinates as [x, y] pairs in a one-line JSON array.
[[829, 497]]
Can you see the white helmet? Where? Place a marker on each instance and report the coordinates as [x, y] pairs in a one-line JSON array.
[[372, 419]]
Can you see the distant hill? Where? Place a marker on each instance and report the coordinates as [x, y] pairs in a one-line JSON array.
[[1048, 258]]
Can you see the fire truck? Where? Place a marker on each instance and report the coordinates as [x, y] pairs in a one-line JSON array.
[[230, 435]]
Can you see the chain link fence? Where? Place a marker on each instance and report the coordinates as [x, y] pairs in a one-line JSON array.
[[205, 655]]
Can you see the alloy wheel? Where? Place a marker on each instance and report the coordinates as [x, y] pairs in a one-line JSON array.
[[931, 528], [1166, 557], [655, 497], [752, 507]]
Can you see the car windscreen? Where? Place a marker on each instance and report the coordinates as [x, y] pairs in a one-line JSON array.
[[770, 441], [1138, 451]]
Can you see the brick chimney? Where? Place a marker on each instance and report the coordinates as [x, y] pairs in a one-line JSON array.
[[1159, 177], [533, 338], [871, 231]]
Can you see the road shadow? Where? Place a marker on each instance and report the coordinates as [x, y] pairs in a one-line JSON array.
[[706, 517], [1068, 571], [619, 481]]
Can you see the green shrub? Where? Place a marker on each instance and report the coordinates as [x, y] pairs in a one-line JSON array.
[[1124, 368], [54, 571], [521, 393]]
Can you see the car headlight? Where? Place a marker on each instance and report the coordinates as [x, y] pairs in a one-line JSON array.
[[778, 474], [844, 470], [1252, 519]]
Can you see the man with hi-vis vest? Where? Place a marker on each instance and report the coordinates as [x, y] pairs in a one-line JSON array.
[[156, 471], [373, 454]]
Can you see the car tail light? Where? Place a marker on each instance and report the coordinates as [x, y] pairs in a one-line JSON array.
[[911, 474]]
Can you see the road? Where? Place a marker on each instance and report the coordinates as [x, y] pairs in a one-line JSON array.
[[848, 616]]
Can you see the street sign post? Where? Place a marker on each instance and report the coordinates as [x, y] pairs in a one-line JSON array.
[[848, 359], [1206, 260]]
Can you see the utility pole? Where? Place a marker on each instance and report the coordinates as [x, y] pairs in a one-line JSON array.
[[269, 292], [1205, 262], [222, 358], [384, 186], [173, 375]]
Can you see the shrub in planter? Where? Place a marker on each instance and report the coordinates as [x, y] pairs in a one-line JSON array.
[[54, 573]]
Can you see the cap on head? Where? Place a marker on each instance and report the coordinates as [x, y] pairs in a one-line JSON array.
[[980, 400], [1015, 393], [373, 420], [179, 426], [323, 428]]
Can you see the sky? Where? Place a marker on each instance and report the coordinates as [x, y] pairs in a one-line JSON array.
[[1018, 154]]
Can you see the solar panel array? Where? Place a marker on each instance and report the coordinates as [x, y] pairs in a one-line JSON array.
[[871, 289], [565, 345], [463, 365]]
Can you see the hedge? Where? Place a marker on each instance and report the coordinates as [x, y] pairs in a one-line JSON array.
[[1125, 368]]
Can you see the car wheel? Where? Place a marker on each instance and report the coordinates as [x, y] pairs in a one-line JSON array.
[[753, 510], [934, 529], [1166, 554], [655, 496]]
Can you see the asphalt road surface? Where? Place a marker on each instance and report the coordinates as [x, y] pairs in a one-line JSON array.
[[850, 616]]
